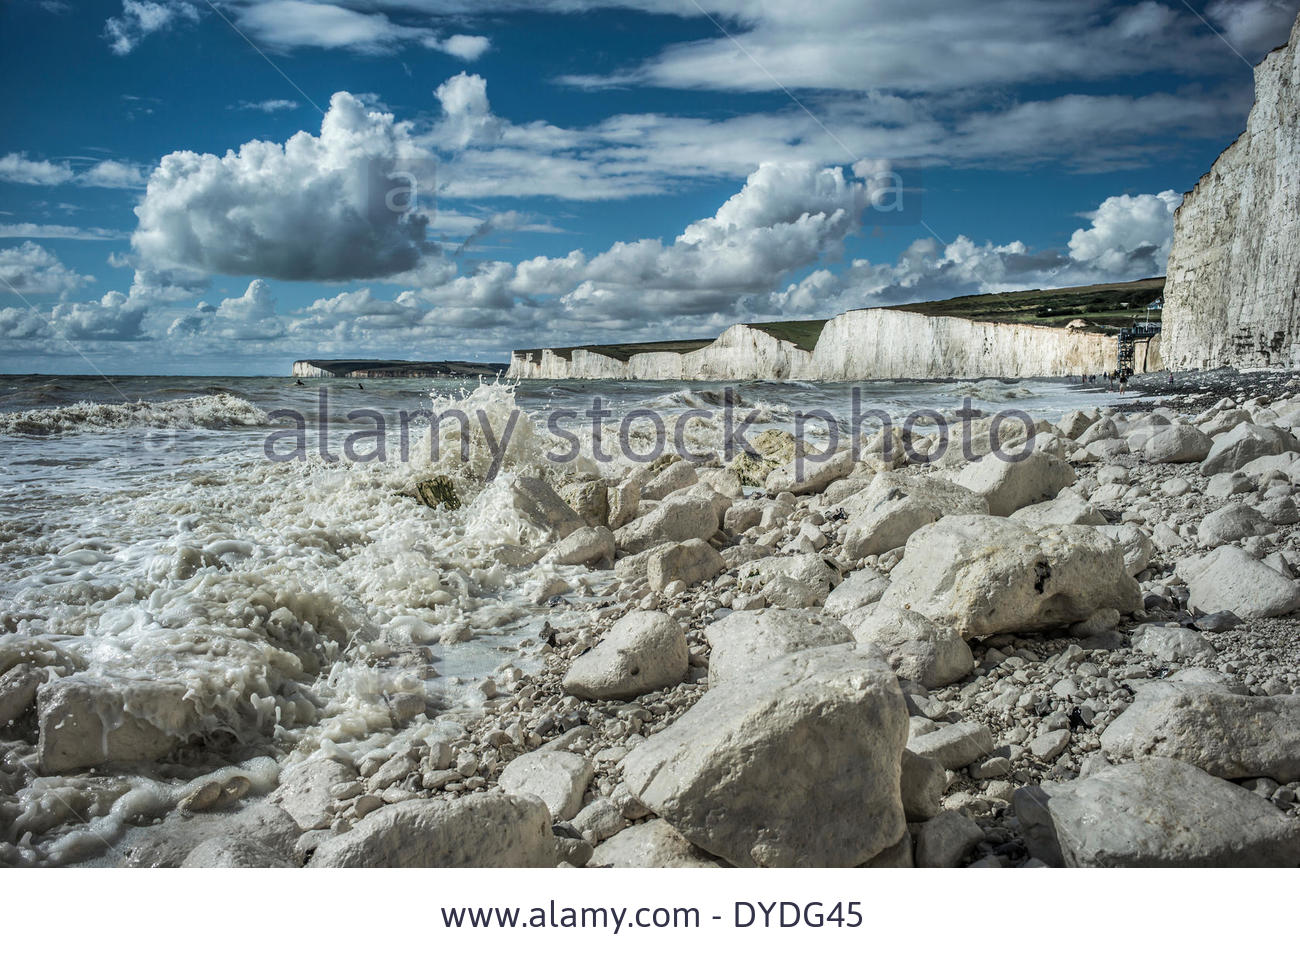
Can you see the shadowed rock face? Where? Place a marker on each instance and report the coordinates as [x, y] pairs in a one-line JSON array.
[[1233, 293]]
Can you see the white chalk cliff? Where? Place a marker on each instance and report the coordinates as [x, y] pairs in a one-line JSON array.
[[1232, 296], [858, 344]]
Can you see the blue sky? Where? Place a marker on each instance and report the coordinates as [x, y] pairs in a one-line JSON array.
[[222, 187]]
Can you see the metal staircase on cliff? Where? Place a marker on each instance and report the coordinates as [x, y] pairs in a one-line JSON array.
[[1142, 332]]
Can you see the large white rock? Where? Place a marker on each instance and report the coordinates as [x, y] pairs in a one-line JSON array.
[[480, 831], [1009, 485], [83, 723], [1171, 643], [804, 476], [1177, 443], [896, 504], [1232, 523], [542, 507], [676, 521], [1138, 547], [1244, 443], [1154, 813], [983, 574], [811, 570], [1230, 580], [1073, 424], [586, 546], [886, 527], [798, 766], [915, 648], [860, 589], [687, 562], [678, 475], [745, 641], [557, 777], [643, 651], [954, 746], [943, 497], [1067, 509], [1228, 735]]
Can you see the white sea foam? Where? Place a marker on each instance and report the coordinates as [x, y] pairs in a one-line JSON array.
[[205, 412], [280, 608]]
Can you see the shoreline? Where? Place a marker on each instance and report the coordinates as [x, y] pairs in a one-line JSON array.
[[986, 714]]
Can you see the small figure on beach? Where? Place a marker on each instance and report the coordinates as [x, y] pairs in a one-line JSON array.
[[1123, 382]]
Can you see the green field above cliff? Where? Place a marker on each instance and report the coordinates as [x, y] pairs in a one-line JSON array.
[[1109, 307]]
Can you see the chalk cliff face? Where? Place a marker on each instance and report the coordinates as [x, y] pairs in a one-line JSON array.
[[1233, 292], [859, 344]]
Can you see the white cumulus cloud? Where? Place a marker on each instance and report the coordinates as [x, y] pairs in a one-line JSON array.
[[329, 207]]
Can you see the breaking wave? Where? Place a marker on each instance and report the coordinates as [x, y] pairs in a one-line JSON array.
[[217, 411]]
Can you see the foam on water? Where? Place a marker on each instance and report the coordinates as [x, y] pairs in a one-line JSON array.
[[275, 610]]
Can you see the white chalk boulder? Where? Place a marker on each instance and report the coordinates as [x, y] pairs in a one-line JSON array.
[[983, 574], [797, 766], [642, 652]]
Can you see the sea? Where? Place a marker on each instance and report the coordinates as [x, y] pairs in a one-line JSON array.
[[254, 544]]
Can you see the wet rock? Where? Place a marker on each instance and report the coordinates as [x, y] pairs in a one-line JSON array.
[[1155, 813], [437, 493], [587, 546], [18, 691], [557, 777], [492, 830], [744, 641], [543, 508], [589, 498], [262, 827], [306, 791], [643, 651], [225, 851], [83, 724], [798, 766], [623, 501]]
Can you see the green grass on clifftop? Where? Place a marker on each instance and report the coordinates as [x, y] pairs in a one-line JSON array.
[[1109, 306]]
